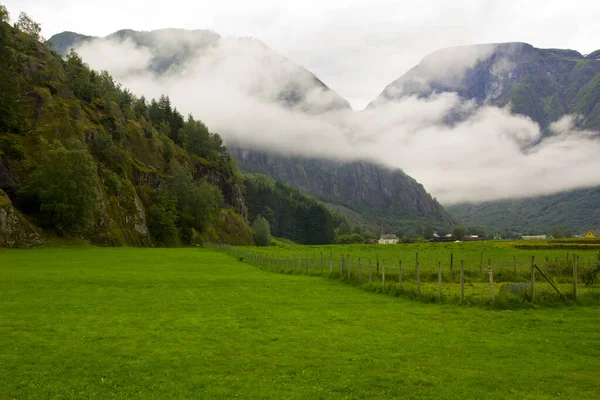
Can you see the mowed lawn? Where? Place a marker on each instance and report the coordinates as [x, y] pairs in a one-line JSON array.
[[88, 322]]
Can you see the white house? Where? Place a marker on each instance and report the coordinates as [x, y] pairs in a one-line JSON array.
[[388, 239]]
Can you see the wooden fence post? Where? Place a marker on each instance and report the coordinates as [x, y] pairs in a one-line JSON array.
[[440, 279], [491, 274], [377, 263], [370, 272], [382, 277], [451, 261], [306, 264], [400, 274], [321, 263], [349, 266], [462, 281], [418, 277], [359, 273], [575, 265], [299, 264], [532, 279], [330, 262], [341, 266], [515, 264]]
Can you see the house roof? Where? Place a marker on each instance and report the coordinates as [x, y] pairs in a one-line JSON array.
[[389, 237], [596, 232]]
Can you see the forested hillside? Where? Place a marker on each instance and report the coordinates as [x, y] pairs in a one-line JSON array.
[[574, 212], [375, 197], [81, 156], [291, 214], [372, 196]]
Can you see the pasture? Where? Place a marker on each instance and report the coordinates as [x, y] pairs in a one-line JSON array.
[[497, 274], [87, 322]]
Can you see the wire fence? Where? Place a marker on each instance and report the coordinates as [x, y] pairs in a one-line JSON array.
[[449, 281]]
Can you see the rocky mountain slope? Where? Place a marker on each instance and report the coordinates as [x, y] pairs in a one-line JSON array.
[[81, 156], [543, 84], [388, 200], [385, 199]]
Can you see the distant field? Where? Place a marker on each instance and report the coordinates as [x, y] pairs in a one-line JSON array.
[[510, 262], [501, 253], [88, 322]]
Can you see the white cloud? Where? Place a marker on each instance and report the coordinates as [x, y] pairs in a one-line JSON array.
[[489, 155], [357, 47]]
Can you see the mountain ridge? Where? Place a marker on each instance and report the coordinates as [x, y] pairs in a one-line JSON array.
[[542, 84]]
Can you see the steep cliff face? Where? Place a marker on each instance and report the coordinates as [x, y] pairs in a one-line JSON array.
[[379, 195], [543, 84]]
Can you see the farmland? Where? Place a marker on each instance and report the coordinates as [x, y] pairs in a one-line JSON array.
[[498, 274], [87, 322]]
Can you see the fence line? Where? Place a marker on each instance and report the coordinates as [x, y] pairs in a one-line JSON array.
[[499, 286]]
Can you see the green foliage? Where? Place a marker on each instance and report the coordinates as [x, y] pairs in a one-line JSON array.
[[353, 238], [574, 211], [458, 232], [290, 213], [162, 220], [29, 26], [4, 14], [133, 142], [590, 276], [427, 231], [196, 200], [65, 188], [261, 231]]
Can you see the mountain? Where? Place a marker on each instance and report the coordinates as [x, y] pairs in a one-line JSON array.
[[80, 156], [576, 211], [543, 84], [368, 194], [380, 197], [273, 77]]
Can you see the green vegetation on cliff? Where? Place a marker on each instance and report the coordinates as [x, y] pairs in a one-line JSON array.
[[290, 213], [80, 155]]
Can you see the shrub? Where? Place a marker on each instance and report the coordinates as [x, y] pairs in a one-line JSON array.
[[66, 189], [261, 231]]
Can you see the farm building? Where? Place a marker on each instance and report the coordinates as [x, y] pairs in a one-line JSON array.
[[388, 239], [535, 237], [594, 233]]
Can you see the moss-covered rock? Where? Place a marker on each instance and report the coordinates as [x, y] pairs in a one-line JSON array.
[[228, 227], [15, 229]]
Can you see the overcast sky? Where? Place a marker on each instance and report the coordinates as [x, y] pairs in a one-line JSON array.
[[356, 47]]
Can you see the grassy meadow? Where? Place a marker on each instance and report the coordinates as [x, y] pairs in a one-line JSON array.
[[87, 322], [510, 264]]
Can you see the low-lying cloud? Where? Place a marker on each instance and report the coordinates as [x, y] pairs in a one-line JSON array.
[[235, 88]]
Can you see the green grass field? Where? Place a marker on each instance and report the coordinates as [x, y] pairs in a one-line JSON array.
[[86, 322], [511, 263]]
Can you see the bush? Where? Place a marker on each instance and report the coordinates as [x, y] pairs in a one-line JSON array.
[[590, 276], [261, 231], [66, 189], [162, 220], [354, 238]]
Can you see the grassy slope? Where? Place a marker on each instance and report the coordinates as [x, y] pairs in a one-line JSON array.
[[157, 323]]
